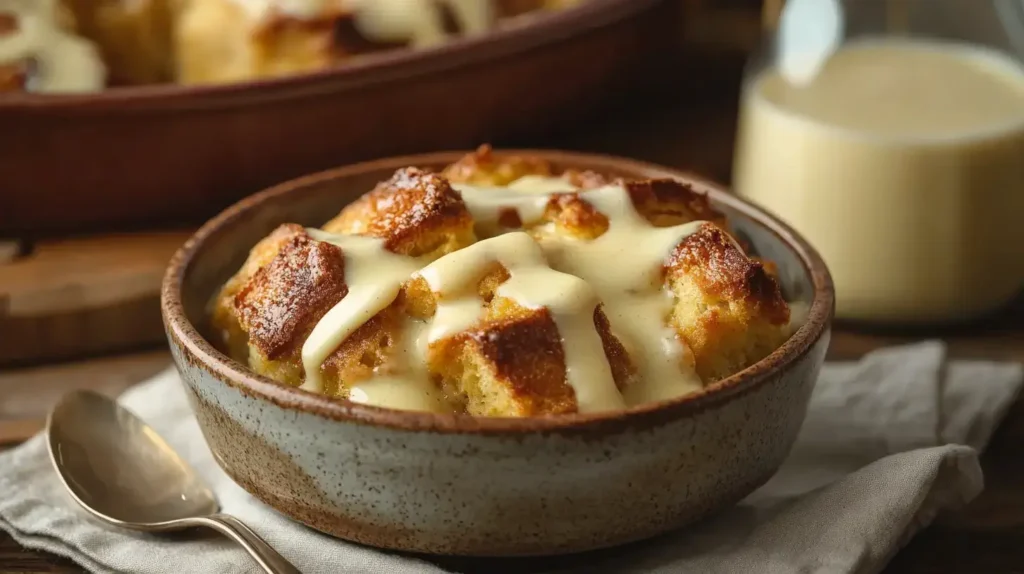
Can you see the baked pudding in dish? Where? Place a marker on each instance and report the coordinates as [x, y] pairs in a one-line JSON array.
[[40, 50], [504, 288], [230, 40], [85, 45], [134, 37]]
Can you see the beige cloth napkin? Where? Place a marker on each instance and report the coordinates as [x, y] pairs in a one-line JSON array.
[[888, 443]]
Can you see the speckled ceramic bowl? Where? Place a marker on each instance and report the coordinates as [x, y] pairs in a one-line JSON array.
[[458, 485]]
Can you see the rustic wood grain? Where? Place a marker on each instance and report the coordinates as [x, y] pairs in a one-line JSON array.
[[14, 558], [80, 297], [26, 395]]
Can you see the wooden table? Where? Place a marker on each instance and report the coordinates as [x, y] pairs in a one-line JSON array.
[[986, 537]]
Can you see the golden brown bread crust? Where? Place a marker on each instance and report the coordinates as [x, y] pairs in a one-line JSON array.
[[513, 363], [335, 36], [587, 179], [667, 202], [134, 37], [283, 300], [526, 353], [575, 217], [8, 23], [723, 271], [728, 309], [290, 281], [482, 168], [623, 370], [224, 315], [217, 41], [506, 311], [416, 212], [14, 77], [508, 218], [769, 266], [662, 202]]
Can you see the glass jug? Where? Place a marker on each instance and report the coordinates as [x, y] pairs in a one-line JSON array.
[[900, 156]]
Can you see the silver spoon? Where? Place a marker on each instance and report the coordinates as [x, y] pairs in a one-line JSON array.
[[123, 473]]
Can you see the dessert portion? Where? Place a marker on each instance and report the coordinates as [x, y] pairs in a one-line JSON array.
[[230, 40], [84, 45], [41, 51], [133, 36], [504, 287]]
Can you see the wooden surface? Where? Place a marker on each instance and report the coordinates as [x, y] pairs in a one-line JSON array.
[[81, 297], [28, 393], [986, 537]]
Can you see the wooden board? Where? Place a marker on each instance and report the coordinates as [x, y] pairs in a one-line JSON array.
[[82, 297], [27, 395]]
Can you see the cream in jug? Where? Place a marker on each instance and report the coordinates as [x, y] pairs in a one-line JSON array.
[[903, 163]]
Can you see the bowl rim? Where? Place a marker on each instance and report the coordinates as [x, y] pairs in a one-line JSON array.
[[183, 333], [389, 66]]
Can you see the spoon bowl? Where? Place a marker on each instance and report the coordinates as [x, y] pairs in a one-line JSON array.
[[115, 466], [124, 473]]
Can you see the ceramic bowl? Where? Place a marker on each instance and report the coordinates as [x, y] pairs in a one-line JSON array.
[[453, 484], [133, 157]]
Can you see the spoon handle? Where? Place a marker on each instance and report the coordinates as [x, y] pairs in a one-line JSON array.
[[261, 552]]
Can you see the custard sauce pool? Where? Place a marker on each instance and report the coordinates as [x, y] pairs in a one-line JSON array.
[[903, 164]]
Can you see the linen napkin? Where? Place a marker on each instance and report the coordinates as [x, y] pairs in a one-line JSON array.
[[889, 442]]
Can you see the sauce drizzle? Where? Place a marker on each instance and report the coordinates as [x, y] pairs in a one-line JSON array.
[[622, 270]]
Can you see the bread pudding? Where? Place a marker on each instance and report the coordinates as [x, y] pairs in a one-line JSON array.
[[82, 45], [228, 40], [134, 37], [40, 50], [504, 287]]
